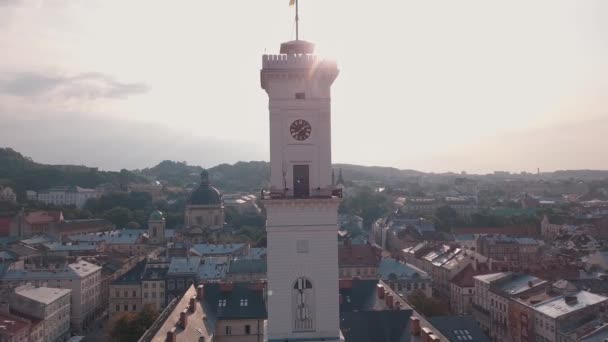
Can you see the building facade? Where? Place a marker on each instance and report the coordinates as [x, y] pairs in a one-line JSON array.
[[65, 196]]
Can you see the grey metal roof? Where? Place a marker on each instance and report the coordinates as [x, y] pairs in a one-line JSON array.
[[46, 295], [247, 266], [72, 271], [115, 237], [203, 249], [400, 270], [558, 306], [240, 303], [213, 268], [458, 328], [180, 265], [84, 246]]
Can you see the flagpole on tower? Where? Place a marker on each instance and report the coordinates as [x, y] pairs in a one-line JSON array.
[[297, 22]]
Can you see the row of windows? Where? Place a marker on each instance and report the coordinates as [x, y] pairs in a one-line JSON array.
[[358, 271], [409, 286], [153, 285], [125, 294], [247, 330], [171, 285], [126, 307], [153, 294]]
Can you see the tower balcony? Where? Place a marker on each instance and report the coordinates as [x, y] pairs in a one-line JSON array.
[[305, 66], [287, 193], [282, 61]]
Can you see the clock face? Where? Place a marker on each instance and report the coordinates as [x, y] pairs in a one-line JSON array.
[[300, 130]]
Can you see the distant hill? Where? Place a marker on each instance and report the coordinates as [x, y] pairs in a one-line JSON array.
[[22, 173], [242, 176], [375, 173], [253, 175], [579, 174]]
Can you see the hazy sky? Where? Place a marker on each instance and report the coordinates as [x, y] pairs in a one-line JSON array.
[[472, 85]]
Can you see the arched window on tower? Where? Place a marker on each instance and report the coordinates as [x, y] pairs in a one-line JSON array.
[[303, 305], [154, 233]]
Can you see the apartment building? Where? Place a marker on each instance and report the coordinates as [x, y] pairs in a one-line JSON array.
[[403, 278], [493, 293], [64, 196], [519, 252], [51, 306], [81, 277]]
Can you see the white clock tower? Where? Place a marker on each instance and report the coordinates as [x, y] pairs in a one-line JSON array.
[[301, 204]]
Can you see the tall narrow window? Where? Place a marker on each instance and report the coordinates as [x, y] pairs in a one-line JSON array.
[[303, 305], [248, 329], [300, 96]]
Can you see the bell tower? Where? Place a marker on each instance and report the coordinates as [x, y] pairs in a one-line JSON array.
[[301, 203]]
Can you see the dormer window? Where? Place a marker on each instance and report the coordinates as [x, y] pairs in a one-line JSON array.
[[244, 302], [300, 96], [221, 303]]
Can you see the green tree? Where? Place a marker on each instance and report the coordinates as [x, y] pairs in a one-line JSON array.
[[130, 327], [428, 306], [368, 204], [119, 216]]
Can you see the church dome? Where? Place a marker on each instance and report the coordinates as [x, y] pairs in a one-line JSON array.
[[156, 215], [205, 194]]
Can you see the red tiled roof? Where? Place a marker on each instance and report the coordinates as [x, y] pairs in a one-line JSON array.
[[357, 255], [42, 217], [12, 324]]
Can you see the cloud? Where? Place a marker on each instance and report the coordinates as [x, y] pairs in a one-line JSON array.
[[90, 86], [113, 144]]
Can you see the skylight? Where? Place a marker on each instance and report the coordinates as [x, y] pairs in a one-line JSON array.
[[463, 335]]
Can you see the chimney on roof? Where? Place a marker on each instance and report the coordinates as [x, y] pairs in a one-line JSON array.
[[433, 338], [380, 291], [571, 300], [183, 318], [414, 326], [388, 299], [226, 286], [397, 305], [530, 284], [200, 291], [258, 286], [426, 334], [171, 335], [192, 304], [346, 284]]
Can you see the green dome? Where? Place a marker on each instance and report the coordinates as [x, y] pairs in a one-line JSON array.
[[156, 215], [205, 194]]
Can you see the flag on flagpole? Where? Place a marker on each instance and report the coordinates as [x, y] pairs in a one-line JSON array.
[[292, 2]]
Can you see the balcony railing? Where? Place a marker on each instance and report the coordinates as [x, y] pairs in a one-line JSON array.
[[287, 193]]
